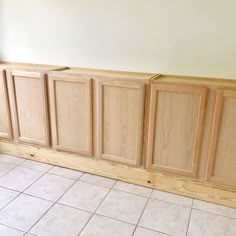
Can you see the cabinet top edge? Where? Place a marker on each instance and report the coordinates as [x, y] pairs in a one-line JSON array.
[[165, 78], [99, 73], [4, 65]]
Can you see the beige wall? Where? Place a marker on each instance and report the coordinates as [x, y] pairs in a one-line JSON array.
[[189, 37]]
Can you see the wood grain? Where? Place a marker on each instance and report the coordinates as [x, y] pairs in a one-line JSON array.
[[5, 116], [71, 113], [222, 159], [121, 113], [176, 124], [30, 107]]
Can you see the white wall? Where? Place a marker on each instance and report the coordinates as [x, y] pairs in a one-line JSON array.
[[188, 37]]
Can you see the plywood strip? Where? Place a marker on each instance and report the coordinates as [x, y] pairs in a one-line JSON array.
[[179, 185]]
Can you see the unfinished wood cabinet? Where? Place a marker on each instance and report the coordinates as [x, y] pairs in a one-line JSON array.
[[5, 118], [30, 106], [222, 150], [71, 113], [120, 119], [175, 128]]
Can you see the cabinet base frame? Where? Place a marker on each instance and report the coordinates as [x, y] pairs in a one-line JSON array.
[[178, 185]]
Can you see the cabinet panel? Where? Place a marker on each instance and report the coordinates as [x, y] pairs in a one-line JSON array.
[[222, 158], [121, 121], [71, 112], [30, 107], [175, 127], [5, 118]]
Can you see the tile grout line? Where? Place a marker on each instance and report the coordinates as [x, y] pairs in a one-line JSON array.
[[190, 215], [153, 230], [108, 217], [97, 208], [131, 193], [228, 217], [176, 204], [35, 180], [54, 202], [10, 202], [13, 228], [16, 165], [136, 226], [150, 196], [22, 192]]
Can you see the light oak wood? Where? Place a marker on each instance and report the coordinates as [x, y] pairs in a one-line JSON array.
[[5, 117], [211, 97], [71, 113], [120, 120], [179, 185], [174, 135], [30, 67], [193, 80], [112, 75], [29, 106], [175, 128], [222, 150]]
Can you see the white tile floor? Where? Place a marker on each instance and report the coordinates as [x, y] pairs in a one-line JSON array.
[[42, 200]]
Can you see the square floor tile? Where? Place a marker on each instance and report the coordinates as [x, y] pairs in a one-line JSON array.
[[36, 165], [61, 221], [64, 172], [103, 226], [166, 218], [11, 159], [98, 180], [6, 231], [6, 196], [172, 198], [84, 196], [123, 206], [147, 232], [23, 212], [20, 178], [214, 208], [207, 224], [5, 167], [132, 188], [50, 187]]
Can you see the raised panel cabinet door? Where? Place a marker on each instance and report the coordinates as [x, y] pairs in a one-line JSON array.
[[71, 113], [121, 107], [175, 128], [5, 118], [222, 150], [30, 107]]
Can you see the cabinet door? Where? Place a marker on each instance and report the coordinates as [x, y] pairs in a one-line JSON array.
[[121, 121], [71, 113], [222, 150], [175, 128], [5, 119], [30, 108]]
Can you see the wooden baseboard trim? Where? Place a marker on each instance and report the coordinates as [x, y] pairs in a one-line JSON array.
[[179, 185]]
